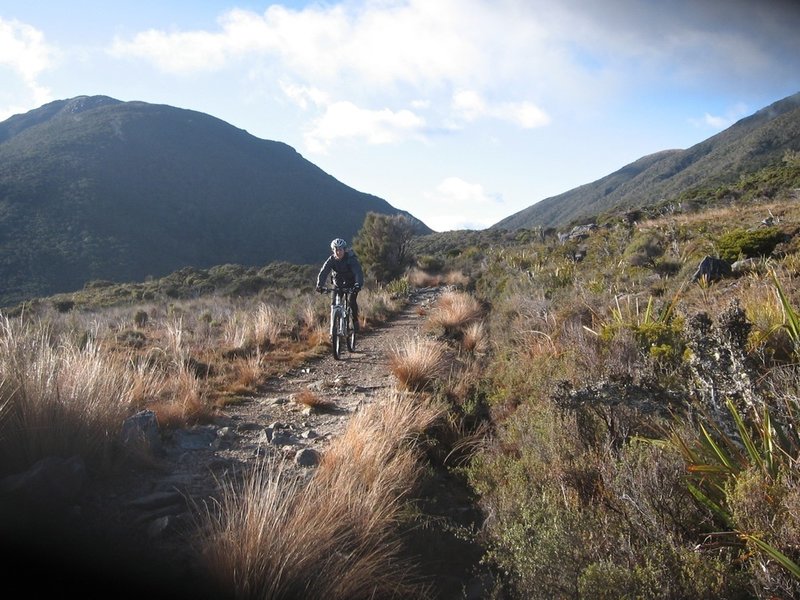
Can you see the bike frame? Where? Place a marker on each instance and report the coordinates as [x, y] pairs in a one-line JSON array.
[[341, 305], [341, 319]]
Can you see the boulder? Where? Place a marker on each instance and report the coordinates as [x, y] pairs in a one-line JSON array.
[[712, 269]]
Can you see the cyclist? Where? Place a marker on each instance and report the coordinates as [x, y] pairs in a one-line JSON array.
[[347, 272]]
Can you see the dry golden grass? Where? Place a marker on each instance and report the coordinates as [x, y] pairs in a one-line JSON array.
[[419, 278], [474, 339], [309, 317], [728, 216], [453, 312], [312, 400], [184, 360], [376, 306], [417, 363], [183, 404], [318, 335], [155, 363], [266, 326], [59, 400], [249, 370], [456, 278], [335, 537]]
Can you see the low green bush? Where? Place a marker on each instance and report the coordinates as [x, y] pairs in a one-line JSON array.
[[748, 243]]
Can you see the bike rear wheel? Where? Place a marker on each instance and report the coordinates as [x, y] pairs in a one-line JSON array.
[[336, 338]]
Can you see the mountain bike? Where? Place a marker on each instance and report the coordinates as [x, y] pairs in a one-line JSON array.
[[341, 332]]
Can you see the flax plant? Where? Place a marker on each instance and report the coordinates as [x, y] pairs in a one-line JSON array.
[[791, 317], [717, 463]]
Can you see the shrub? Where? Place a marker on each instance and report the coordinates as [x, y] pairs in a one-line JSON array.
[[382, 245], [140, 318], [399, 288], [748, 243], [426, 262], [644, 249]]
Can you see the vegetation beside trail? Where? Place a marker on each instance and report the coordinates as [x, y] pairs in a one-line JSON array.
[[628, 427], [644, 425]]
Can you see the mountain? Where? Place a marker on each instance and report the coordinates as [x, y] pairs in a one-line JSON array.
[[748, 145], [95, 188]]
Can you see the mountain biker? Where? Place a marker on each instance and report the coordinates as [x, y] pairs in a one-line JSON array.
[[347, 273]]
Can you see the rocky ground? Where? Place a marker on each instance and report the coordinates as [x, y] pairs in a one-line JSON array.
[[133, 531]]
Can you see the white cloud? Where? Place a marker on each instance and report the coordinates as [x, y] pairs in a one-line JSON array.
[[454, 190], [524, 114], [303, 95], [716, 122], [554, 48], [459, 204], [720, 122], [418, 43], [461, 61], [176, 52], [345, 120], [469, 106], [23, 49]]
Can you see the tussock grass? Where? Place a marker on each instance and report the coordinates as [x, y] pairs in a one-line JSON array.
[[59, 399], [334, 537], [70, 379], [258, 329], [267, 326], [184, 402], [309, 317], [474, 339], [377, 306], [249, 370], [453, 312], [420, 278], [417, 363], [312, 400]]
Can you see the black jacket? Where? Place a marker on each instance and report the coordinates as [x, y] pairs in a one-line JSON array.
[[346, 272]]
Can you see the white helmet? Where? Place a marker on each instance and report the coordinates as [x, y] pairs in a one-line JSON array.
[[338, 243]]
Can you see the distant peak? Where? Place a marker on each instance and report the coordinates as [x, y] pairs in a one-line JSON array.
[[82, 103]]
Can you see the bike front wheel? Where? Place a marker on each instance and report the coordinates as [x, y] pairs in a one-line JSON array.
[[336, 338]]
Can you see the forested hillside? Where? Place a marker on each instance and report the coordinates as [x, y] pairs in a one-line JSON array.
[[97, 189]]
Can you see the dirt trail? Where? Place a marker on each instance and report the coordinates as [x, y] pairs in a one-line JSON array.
[[358, 378], [152, 507]]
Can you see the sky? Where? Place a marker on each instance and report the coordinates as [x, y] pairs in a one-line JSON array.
[[461, 112]]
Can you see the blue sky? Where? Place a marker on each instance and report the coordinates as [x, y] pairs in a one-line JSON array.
[[461, 112]]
